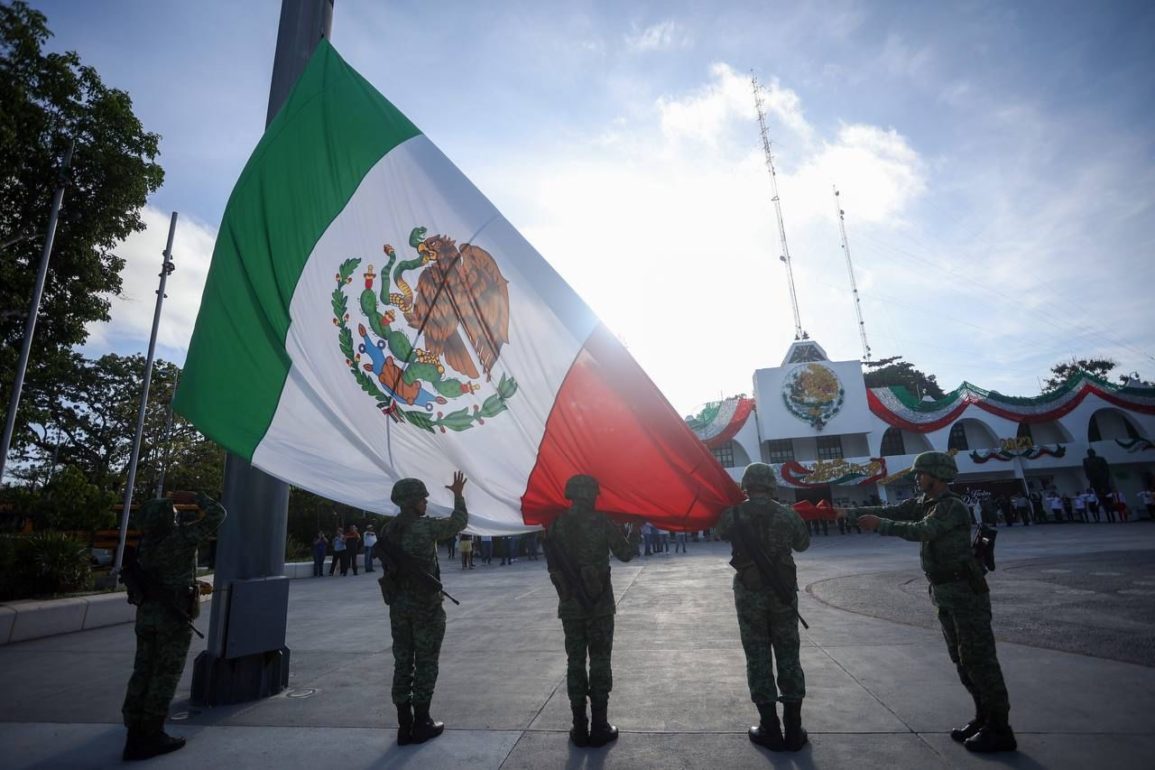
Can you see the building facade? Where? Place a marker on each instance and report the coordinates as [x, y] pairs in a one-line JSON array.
[[829, 437]]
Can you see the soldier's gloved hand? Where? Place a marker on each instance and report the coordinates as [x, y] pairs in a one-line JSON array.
[[869, 521]]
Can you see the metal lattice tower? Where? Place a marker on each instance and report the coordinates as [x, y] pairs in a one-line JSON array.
[[850, 269], [785, 256]]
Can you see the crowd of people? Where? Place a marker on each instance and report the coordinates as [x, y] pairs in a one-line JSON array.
[[1052, 507]]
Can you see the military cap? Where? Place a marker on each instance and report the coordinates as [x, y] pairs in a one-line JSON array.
[[938, 464], [759, 475], [408, 491], [581, 487]]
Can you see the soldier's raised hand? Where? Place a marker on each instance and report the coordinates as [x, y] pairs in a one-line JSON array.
[[458, 485], [868, 521]]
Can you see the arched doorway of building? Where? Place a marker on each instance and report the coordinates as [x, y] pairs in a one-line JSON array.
[[1109, 424]]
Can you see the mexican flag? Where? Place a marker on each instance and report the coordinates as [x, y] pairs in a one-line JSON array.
[[369, 316]]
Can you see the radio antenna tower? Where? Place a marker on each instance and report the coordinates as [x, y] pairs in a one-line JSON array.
[[785, 256], [850, 269]]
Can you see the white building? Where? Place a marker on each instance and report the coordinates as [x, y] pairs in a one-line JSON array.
[[830, 437]]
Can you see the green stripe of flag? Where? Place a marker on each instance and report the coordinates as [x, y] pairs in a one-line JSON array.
[[333, 128]]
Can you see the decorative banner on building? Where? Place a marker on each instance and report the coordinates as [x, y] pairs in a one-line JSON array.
[[720, 421], [813, 394], [902, 409], [1006, 454], [823, 472], [1135, 445]]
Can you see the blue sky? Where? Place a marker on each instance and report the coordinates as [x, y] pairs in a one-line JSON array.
[[995, 162]]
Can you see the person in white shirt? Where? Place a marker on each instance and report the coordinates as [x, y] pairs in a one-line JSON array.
[[369, 539]]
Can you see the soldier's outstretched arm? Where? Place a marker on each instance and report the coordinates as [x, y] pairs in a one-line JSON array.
[[907, 510], [944, 517]]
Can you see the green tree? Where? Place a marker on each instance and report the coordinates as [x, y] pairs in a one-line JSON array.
[[46, 99], [1065, 370], [888, 372], [89, 421], [70, 502]]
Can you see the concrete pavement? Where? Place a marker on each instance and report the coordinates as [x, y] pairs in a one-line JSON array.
[[881, 691]]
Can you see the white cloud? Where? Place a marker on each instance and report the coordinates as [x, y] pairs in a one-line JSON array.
[[668, 231], [658, 37], [132, 312]]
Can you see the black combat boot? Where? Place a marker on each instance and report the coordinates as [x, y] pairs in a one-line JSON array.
[[580, 732], [404, 724], [996, 735], [424, 728], [150, 741], [971, 728], [795, 737], [133, 742], [601, 731], [768, 732]]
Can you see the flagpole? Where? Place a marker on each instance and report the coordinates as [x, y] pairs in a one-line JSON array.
[[165, 270], [246, 657], [34, 311]]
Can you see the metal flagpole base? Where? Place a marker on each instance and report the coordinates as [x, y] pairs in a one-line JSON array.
[[251, 660], [222, 681]]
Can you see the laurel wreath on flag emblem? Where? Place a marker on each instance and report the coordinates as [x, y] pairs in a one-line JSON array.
[[419, 349], [813, 394]]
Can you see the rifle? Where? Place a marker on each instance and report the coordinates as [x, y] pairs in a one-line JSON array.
[[749, 546], [983, 546], [138, 583], [392, 556], [557, 558]]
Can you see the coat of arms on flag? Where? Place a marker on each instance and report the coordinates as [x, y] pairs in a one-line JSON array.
[[417, 351]]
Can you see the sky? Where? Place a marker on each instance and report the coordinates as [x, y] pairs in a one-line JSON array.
[[995, 163]]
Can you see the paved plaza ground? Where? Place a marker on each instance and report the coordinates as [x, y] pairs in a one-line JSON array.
[[1074, 612]]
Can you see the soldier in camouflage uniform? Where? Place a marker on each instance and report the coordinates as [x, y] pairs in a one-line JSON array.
[[939, 519], [585, 538], [416, 616], [168, 601], [768, 625]]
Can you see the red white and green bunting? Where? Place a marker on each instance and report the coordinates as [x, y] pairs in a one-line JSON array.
[[899, 407], [1027, 453], [720, 421], [1136, 444]]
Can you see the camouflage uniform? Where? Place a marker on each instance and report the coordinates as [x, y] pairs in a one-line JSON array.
[[416, 616], [943, 526], [168, 554], [587, 537], [768, 625], [957, 587], [769, 628]]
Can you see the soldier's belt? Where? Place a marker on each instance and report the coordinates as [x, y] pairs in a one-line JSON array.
[[948, 576]]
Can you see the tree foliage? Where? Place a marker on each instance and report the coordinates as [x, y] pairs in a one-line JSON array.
[[1065, 370], [89, 422], [888, 372], [46, 99]]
